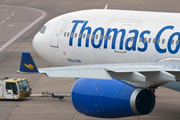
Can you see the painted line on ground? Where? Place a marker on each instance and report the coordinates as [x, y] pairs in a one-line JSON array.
[[24, 30], [12, 14]]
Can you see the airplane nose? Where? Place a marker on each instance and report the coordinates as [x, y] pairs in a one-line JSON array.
[[39, 42], [36, 42], [43, 39], [39, 39]]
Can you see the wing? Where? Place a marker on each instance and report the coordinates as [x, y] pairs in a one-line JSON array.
[[137, 74]]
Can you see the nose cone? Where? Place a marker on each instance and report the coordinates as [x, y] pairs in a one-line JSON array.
[[42, 40], [37, 42], [40, 44]]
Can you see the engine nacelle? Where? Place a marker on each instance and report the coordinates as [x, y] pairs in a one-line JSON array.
[[110, 98]]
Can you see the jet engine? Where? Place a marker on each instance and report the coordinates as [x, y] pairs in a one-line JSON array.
[[110, 98]]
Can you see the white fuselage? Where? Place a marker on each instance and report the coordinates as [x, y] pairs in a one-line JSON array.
[[109, 36]]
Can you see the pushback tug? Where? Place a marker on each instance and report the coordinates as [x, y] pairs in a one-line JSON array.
[[14, 88]]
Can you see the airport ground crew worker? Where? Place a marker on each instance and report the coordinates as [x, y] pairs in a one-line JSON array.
[[152, 90]]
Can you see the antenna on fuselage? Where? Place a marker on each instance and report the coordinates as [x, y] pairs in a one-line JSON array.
[[106, 6]]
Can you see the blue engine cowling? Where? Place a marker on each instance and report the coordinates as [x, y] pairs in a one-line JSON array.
[[110, 98]]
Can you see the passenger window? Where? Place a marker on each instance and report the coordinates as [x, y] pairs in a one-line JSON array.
[[79, 35], [75, 35], [172, 42], [158, 41], [140, 39], [71, 35], [43, 29], [163, 41], [145, 39], [101, 37], [65, 34], [92, 36], [149, 40], [84, 35], [96, 36], [131, 39], [154, 40], [109, 37], [105, 37], [177, 42], [68, 34], [88, 36]]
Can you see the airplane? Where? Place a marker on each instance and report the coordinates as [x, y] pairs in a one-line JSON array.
[[114, 55]]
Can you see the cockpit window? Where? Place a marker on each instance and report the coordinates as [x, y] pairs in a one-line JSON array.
[[43, 29]]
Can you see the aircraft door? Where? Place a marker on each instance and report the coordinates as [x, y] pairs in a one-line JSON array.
[[56, 34]]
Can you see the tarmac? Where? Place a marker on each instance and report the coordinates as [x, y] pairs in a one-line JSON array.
[[15, 16]]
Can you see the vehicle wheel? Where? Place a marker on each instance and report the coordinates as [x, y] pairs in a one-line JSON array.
[[60, 98]]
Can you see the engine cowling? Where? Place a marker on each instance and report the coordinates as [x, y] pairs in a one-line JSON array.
[[110, 98]]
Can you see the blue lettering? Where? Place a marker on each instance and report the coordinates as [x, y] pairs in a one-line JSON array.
[[115, 30], [158, 37], [73, 30], [145, 43], [133, 47], [122, 38], [100, 41], [76, 60], [169, 43], [81, 32], [97, 42]]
